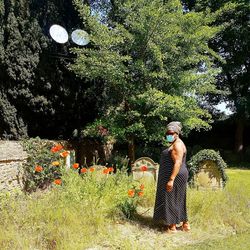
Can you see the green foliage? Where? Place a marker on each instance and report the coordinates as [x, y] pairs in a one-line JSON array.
[[195, 163], [129, 206], [119, 161], [96, 130], [148, 115], [232, 44], [148, 55], [40, 155], [19, 56]]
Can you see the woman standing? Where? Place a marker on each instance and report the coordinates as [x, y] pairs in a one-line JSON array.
[[170, 203]]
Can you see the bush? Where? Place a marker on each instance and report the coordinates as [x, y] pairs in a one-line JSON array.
[[195, 163], [44, 164]]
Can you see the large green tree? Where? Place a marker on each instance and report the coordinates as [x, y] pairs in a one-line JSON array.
[[148, 57], [232, 43]]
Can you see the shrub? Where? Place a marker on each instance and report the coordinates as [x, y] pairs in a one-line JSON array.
[[195, 163], [44, 163], [119, 161]]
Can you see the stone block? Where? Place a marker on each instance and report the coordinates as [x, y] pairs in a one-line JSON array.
[[208, 176], [12, 157], [145, 170]]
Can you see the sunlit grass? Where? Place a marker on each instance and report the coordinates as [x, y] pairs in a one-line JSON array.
[[67, 216], [84, 213]]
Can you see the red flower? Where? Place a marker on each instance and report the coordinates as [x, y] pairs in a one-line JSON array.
[[75, 165], [58, 181], [56, 148], [144, 168], [38, 168], [84, 170], [64, 154], [131, 192], [140, 193], [111, 169], [142, 186], [106, 171], [91, 169]]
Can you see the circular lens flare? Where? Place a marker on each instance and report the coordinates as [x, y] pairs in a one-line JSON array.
[[80, 37], [59, 34]]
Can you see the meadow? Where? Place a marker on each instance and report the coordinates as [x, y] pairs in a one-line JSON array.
[[87, 212]]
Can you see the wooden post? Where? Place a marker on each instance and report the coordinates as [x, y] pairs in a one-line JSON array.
[[131, 149]]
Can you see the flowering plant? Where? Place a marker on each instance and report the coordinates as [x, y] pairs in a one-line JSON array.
[[129, 206], [44, 165]]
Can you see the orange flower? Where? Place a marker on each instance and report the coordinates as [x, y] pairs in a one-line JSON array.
[[106, 171], [111, 169], [55, 163], [38, 168], [131, 192], [142, 186], [58, 181], [64, 154], [92, 169], [59, 147], [84, 170], [140, 193], [144, 168], [56, 148], [75, 165]]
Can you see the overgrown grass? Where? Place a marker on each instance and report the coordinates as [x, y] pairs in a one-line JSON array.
[[223, 217], [71, 216], [84, 212]]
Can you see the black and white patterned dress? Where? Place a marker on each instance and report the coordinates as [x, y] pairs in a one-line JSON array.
[[171, 206]]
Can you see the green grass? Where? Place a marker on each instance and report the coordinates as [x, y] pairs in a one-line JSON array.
[[237, 242], [84, 213], [225, 214]]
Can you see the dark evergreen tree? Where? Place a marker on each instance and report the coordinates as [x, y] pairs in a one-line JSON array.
[[39, 96]]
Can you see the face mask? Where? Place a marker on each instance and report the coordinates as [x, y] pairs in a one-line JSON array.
[[170, 138]]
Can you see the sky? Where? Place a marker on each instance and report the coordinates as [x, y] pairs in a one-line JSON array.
[[222, 107]]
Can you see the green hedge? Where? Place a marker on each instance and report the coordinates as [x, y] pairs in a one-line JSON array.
[[194, 163]]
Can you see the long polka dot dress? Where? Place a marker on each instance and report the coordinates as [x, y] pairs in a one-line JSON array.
[[171, 206]]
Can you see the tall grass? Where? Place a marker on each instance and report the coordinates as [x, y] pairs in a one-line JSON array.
[[84, 212], [210, 210], [222, 209], [67, 217]]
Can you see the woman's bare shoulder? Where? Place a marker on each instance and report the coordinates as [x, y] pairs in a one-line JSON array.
[[179, 145]]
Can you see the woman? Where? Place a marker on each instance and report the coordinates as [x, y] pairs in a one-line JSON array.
[[170, 203]]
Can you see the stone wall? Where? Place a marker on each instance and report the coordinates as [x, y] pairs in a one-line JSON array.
[[12, 158]]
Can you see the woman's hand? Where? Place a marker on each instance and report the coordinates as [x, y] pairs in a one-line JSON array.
[[170, 185]]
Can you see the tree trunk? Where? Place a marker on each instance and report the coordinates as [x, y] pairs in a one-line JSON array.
[[238, 146], [131, 149]]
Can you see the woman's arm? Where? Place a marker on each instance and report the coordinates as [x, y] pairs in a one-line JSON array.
[[177, 157]]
